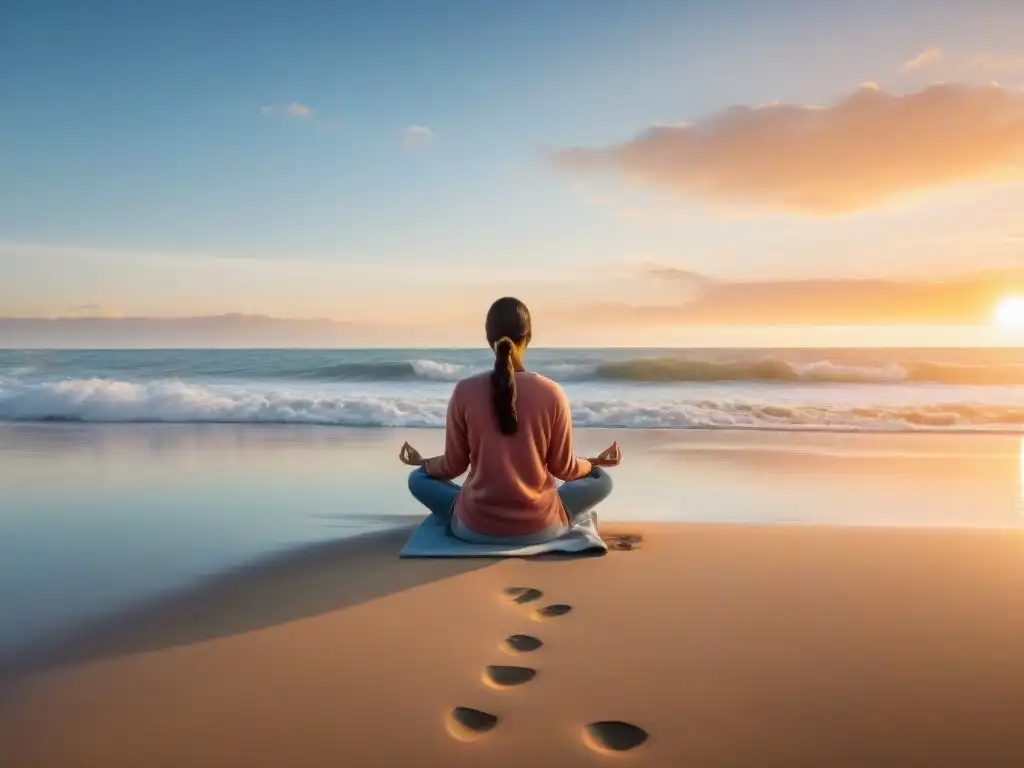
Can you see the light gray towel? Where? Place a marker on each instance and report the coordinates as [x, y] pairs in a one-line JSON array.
[[431, 539]]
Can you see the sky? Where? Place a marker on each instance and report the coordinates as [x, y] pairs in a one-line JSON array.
[[644, 172]]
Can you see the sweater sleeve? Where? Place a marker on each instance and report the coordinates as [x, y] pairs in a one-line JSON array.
[[561, 459], [455, 459]]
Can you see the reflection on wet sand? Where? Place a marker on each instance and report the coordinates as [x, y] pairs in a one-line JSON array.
[[95, 516], [663, 471], [967, 458]]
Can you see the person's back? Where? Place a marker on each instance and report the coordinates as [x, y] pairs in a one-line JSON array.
[[513, 431], [510, 490]]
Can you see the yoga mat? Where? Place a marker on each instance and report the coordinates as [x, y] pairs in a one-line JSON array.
[[431, 539]]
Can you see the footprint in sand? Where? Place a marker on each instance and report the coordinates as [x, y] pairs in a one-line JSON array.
[[606, 736], [522, 643], [623, 541], [552, 611], [505, 677], [523, 595], [466, 724], [613, 736]]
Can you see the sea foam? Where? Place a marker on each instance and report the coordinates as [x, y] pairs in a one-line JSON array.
[[105, 400]]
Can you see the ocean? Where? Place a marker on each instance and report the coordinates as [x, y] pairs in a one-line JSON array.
[[867, 390]]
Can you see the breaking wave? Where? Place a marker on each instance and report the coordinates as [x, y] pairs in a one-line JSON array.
[[842, 368], [105, 400], [666, 369], [674, 369]]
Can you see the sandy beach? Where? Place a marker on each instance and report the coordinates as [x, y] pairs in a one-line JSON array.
[[309, 310], [728, 645]]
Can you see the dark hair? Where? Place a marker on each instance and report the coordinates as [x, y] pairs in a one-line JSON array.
[[508, 323]]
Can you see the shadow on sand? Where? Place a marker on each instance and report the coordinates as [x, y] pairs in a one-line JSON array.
[[296, 584]]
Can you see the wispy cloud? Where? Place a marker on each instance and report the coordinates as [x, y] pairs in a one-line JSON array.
[[933, 56], [416, 136], [930, 55], [967, 299], [675, 274], [305, 114], [294, 109], [858, 153], [93, 310]]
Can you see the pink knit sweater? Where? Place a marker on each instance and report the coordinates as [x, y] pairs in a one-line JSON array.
[[510, 489]]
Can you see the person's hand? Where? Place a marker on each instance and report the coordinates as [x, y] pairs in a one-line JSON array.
[[609, 457], [409, 455]]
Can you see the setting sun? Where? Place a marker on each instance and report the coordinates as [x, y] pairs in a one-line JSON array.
[[1010, 313]]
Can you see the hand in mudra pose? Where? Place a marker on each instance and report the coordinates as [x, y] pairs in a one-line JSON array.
[[609, 457], [409, 455]]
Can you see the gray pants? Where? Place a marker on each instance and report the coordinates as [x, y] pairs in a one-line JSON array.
[[578, 497]]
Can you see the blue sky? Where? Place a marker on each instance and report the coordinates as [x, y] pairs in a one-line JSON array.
[[183, 158]]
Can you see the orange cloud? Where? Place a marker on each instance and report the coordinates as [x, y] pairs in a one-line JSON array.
[[933, 56], [863, 151], [965, 300]]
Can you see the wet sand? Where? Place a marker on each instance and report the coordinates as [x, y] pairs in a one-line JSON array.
[[709, 645], [95, 517]]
